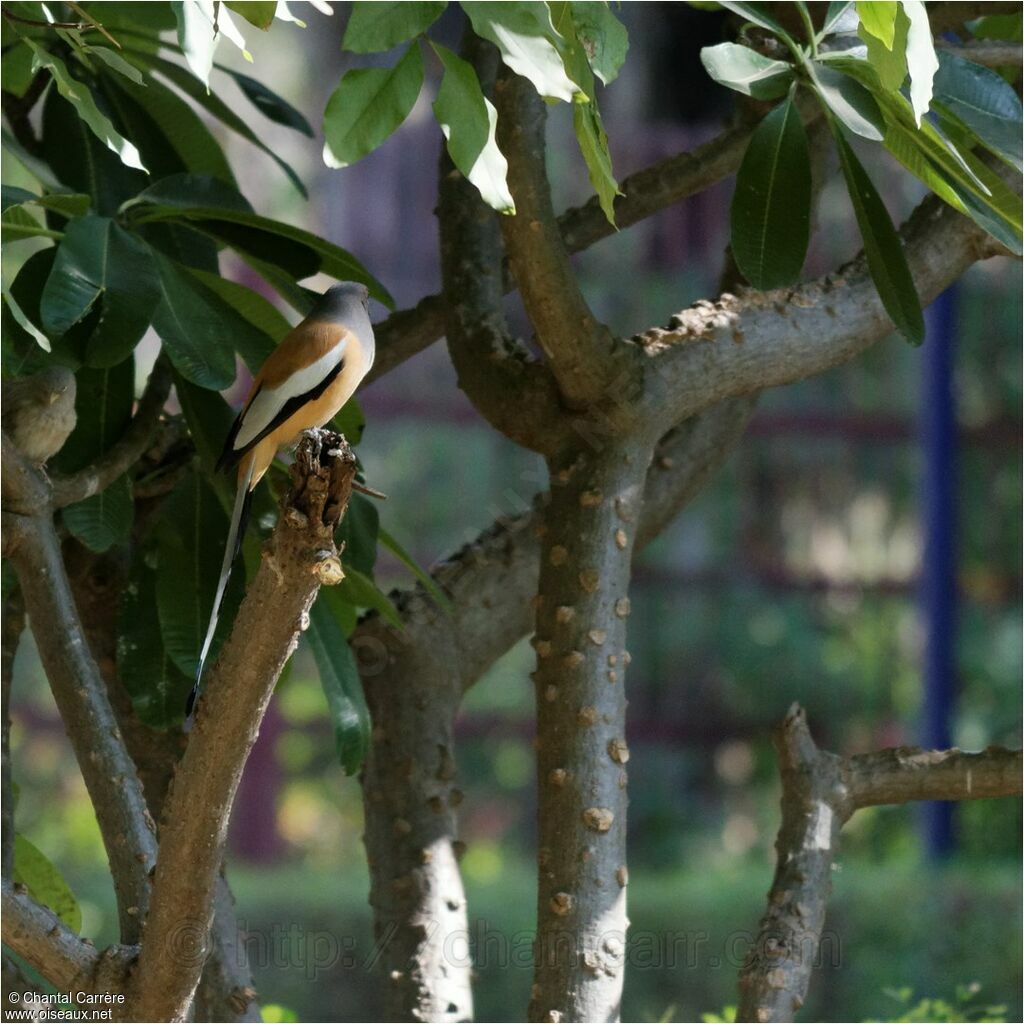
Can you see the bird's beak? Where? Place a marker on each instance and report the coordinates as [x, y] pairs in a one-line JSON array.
[[54, 395]]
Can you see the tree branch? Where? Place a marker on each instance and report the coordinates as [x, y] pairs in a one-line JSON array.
[[820, 792], [581, 351], [645, 193], [37, 935], [12, 625], [414, 680], [266, 630], [514, 392], [124, 453], [84, 707], [766, 339]]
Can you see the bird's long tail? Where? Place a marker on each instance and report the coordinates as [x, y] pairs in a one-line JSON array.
[[236, 533]]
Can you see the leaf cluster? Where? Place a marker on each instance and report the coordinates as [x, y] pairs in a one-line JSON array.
[[873, 71]]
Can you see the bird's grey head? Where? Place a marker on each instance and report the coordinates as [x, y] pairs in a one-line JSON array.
[[340, 299], [54, 382]]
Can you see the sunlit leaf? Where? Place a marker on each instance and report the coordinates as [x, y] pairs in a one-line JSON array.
[[373, 27], [746, 71], [44, 882], [368, 105], [878, 18], [921, 60]]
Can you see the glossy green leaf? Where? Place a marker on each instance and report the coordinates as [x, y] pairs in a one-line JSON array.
[[116, 63], [44, 882], [268, 103], [67, 204], [771, 207], [373, 27], [191, 535], [100, 261], [257, 12], [421, 574], [81, 161], [217, 108], [889, 62], [339, 677], [189, 191], [526, 40], [849, 101], [182, 128], [603, 37], [758, 14], [368, 105], [16, 72], [191, 324], [79, 96], [157, 687], [103, 408], [12, 306], [103, 520], [299, 252], [270, 325], [746, 71], [982, 101], [921, 60], [882, 247], [840, 17], [360, 591], [593, 143], [19, 224], [358, 532], [468, 119], [196, 35], [878, 18]]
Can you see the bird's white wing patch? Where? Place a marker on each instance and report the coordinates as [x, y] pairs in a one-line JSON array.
[[270, 401]]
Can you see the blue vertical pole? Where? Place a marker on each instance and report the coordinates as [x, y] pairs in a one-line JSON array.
[[938, 578]]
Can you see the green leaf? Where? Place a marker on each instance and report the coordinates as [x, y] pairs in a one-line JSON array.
[[424, 577], [35, 166], [19, 224], [209, 419], [746, 71], [882, 247], [339, 677], [890, 63], [20, 318], [368, 105], [79, 96], [183, 129], [468, 119], [848, 100], [269, 323], [982, 101], [257, 12], [188, 191], [878, 18], [526, 40], [191, 536], [1007, 27], [603, 37], [105, 519], [373, 27], [67, 204], [268, 103], [157, 687], [840, 17], [757, 14], [359, 590], [216, 107], [983, 215], [98, 260], [921, 60], [358, 532], [44, 883], [196, 35], [116, 63], [16, 72], [103, 409], [299, 252], [593, 143], [191, 324], [771, 208]]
